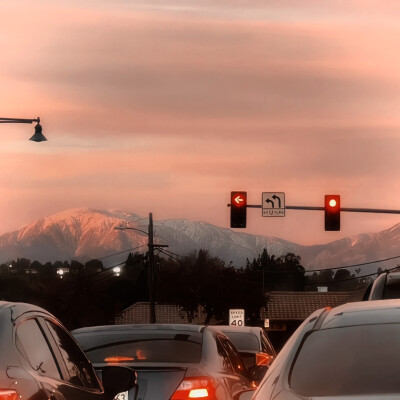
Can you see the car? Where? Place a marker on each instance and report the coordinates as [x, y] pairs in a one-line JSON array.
[[253, 345], [40, 360], [385, 286], [172, 361], [347, 352]]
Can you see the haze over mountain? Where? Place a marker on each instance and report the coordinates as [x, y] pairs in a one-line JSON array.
[[85, 234]]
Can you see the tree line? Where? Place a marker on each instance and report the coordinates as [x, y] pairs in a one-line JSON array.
[[90, 294]]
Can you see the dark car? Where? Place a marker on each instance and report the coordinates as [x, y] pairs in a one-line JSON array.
[[40, 360], [252, 343], [171, 361], [348, 352]]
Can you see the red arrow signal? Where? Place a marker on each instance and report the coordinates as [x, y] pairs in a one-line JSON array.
[[238, 200]]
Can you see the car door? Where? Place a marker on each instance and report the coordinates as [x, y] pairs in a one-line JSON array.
[[79, 378], [37, 359], [42, 360]]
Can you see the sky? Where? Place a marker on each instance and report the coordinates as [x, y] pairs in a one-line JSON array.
[[166, 106]]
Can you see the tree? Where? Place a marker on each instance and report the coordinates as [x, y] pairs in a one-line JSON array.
[[282, 273]]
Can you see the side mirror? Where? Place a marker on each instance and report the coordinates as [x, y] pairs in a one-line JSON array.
[[118, 379]]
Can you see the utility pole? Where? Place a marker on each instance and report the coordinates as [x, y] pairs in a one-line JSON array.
[[151, 266], [151, 272]]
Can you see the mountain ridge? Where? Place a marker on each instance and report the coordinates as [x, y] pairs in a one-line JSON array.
[[85, 233]]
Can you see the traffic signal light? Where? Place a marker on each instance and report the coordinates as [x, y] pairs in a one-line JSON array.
[[332, 212], [238, 209]]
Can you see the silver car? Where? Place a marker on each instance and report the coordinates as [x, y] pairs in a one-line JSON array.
[[348, 352]]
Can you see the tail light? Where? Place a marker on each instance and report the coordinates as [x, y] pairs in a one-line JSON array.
[[116, 359], [200, 387], [263, 359], [7, 394]]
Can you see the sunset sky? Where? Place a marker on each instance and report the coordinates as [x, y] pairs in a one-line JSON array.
[[167, 106]]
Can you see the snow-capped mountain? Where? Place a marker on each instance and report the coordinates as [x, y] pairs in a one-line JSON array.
[[84, 234]]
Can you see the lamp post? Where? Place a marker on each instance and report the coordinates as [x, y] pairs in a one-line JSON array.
[[150, 271], [38, 135]]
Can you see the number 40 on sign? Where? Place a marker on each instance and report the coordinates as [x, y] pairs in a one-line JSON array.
[[236, 317]]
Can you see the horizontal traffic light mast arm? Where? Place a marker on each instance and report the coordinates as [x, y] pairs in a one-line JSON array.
[[365, 210]]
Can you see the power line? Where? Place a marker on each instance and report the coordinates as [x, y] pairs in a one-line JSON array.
[[169, 255], [353, 278], [172, 253], [121, 252], [354, 265]]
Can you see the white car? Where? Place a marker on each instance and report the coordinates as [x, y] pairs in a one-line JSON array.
[[348, 352]]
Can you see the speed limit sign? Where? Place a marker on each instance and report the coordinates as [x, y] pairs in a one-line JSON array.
[[236, 317]]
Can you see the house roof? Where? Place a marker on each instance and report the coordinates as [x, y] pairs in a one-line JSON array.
[[297, 306]]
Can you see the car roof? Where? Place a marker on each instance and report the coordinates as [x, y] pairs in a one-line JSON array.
[[360, 313], [17, 309], [241, 329], [141, 327]]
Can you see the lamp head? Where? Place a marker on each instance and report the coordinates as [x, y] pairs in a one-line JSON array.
[[38, 136]]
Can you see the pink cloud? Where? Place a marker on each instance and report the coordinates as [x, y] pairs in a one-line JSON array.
[[151, 101]]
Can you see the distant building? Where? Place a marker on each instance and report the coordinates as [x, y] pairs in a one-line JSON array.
[[285, 311]]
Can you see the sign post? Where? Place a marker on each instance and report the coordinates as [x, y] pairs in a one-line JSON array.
[[236, 317]]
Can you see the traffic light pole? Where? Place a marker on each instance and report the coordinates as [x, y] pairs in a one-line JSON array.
[[331, 208], [365, 210]]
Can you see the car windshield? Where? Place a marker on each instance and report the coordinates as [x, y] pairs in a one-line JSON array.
[[243, 341], [147, 347], [392, 288], [352, 360]]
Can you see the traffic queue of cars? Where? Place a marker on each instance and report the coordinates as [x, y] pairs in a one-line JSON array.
[[41, 360], [348, 352]]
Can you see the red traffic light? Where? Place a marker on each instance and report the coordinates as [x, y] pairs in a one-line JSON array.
[[332, 212], [238, 209], [238, 199]]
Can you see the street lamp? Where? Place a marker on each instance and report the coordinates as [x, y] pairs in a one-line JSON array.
[[37, 137], [151, 279]]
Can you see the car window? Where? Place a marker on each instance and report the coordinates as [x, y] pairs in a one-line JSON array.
[[244, 341], [226, 362], [234, 357], [33, 345], [364, 359], [392, 288], [266, 346], [144, 347], [80, 371]]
